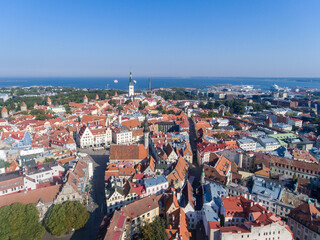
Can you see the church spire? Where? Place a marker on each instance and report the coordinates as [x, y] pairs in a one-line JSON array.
[[130, 79], [131, 86]]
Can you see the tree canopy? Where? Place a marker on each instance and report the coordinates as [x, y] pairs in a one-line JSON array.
[[20, 221], [153, 231], [63, 218]]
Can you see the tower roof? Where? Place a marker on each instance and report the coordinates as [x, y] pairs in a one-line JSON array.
[[4, 110], [269, 120], [130, 79], [146, 125], [85, 97], [23, 104]]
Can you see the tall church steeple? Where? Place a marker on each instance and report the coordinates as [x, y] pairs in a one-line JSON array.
[[131, 86], [146, 134]]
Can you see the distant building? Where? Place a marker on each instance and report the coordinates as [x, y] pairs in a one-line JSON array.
[[4, 97], [85, 99], [131, 86], [269, 143], [247, 144], [93, 136], [4, 112], [23, 106]]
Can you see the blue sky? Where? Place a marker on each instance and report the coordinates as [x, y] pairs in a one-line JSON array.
[[265, 38]]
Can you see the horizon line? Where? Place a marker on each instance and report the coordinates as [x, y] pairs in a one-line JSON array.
[[141, 76]]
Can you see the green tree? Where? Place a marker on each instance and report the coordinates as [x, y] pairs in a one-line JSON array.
[[65, 217], [5, 163], [171, 112], [221, 136], [142, 105], [42, 117], [128, 101], [47, 160], [20, 221], [153, 231], [237, 124], [159, 107], [203, 115], [113, 102], [213, 114], [294, 178], [292, 114], [201, 105], [37, 112]]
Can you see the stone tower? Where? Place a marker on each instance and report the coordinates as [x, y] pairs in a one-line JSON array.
[[23, 106], [146, 134], [4, 113], [85, 99]]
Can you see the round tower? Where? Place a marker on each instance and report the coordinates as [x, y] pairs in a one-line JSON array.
[[85, 99], [4, 113]]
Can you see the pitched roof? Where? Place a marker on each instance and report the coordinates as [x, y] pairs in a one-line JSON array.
[[91, 118], [170, 199], [308, 215], [132, 123], [178, 226], [141, 206], [46, 194], [179, 171], [128, 152], [116, 226], [187, 192]]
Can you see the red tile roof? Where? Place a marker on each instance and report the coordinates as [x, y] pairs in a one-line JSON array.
[[128, 152], [46, 194]]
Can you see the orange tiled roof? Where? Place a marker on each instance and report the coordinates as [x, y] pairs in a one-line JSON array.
[[132, 123], [46, 194], [127, 152]]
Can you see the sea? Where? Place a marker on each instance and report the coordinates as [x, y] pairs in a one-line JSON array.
[[160, 82]]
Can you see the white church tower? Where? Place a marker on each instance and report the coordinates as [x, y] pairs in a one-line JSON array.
[[131, 86]]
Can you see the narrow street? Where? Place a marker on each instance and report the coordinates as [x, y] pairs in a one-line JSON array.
[[96, 206], [195, 171], [193, 141]]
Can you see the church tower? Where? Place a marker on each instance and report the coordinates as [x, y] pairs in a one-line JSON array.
[[146, 135], [202, 176], [131, 86]]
